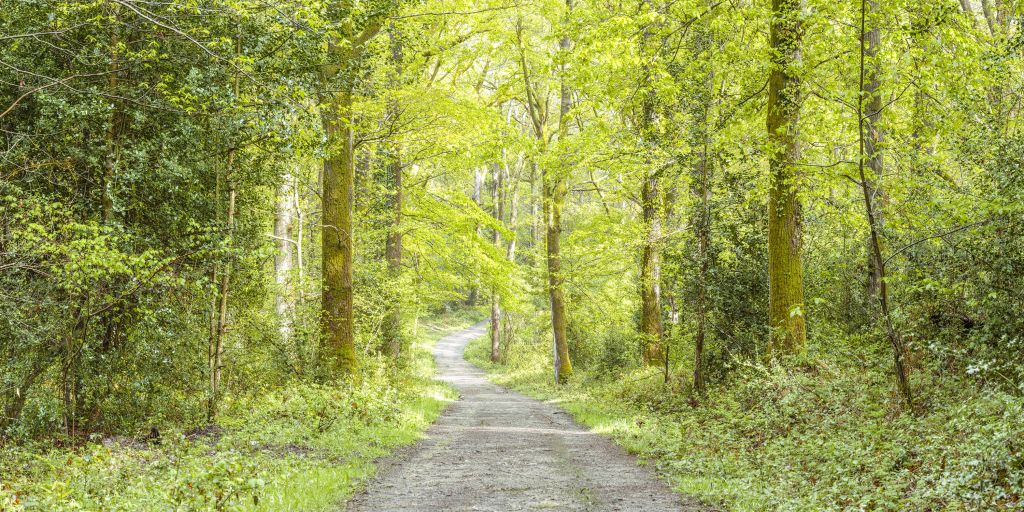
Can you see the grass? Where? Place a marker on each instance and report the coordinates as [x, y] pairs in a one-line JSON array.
[[301, 448], [818, 434]]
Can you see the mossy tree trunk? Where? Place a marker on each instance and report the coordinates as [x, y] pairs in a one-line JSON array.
[[553, 190], [785, 261], [555, 186], [337, 349], [651, 329]]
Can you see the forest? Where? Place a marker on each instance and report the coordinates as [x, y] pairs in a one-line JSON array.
[[772, 248]]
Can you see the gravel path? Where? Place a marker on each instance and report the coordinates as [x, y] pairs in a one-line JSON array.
[[497, 450]]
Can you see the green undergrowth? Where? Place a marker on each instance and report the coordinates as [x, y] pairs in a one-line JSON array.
[[304, 447], [817, 434]]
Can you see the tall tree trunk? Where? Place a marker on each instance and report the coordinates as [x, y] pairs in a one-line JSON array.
[[870, 157], [393, 244], [651, 329], [785, 260], [872, 154], [703, 235], [702, 180], [112, 155], [536, 202], [554, 192], [71, 378], [337, 349], [112, 136], [337, 337], [555, 189], [513, 211]]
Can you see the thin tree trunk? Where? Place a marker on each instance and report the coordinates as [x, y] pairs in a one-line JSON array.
[[703, 235], [552, 194], [872, 154], [478, 185], [555, 188], [703, 44], [71, 379], [785, 259], [216, 355], [536, 200], [869, 157], [112, 135], [513, 210], [499, 215]]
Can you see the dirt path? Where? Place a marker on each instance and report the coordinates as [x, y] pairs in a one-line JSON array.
[[497, 450]]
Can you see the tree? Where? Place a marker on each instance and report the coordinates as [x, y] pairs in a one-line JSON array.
[[345, 53], [553, 191], [651, 329], [870, 157]]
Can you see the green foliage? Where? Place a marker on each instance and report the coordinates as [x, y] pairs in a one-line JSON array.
[[300, 447]]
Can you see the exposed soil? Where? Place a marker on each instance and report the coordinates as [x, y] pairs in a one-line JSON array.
[[497, 450]]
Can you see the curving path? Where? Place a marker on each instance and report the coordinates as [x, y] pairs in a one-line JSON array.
[[497, 450]]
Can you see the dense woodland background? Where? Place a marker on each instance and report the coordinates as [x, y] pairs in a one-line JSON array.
[[777, 245]]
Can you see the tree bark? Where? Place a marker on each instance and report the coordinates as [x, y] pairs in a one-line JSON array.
[[873, 139], [337, 348], [785, 260], [651, 328], [702, 181], [337, 337], [990, 16]]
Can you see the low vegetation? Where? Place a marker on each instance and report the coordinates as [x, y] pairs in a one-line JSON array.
[[303, 447], [822, 433]]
